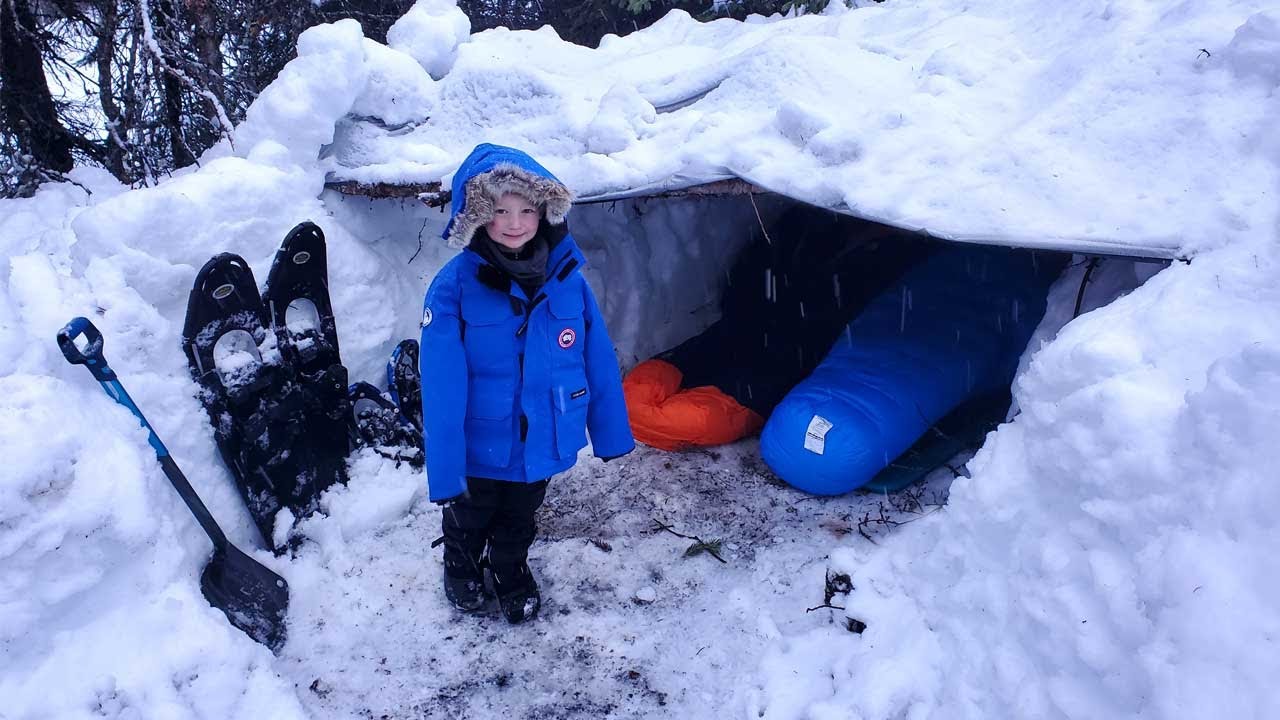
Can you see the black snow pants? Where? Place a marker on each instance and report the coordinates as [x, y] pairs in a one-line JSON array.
[[497, 516]]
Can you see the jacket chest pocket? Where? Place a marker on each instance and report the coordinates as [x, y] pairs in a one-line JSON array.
[[489, 336], [489, 341]]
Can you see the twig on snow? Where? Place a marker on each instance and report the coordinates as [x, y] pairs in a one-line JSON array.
[[699, 545]]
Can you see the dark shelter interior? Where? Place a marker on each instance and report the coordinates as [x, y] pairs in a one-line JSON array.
[[812, 281], [790, 293]]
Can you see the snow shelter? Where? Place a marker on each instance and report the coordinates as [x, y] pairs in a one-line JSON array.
[[868, 354]]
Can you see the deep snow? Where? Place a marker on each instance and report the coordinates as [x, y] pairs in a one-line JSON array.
[[1112, 552]]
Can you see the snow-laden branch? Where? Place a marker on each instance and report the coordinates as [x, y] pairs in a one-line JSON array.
[[144, 9]]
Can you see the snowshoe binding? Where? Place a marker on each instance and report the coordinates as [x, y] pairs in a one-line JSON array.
[[297, 300], [404, 383]]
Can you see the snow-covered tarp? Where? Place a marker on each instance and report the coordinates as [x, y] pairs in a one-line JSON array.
[[1112, 552], [1089, 126]]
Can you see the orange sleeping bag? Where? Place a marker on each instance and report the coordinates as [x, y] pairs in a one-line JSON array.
[[668, 418]]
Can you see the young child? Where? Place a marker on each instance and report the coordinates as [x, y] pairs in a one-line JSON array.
[[516, 365]]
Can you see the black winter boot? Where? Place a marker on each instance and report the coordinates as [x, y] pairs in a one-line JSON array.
[[518, 594], [465, 525], [466, 593], [464, 578]]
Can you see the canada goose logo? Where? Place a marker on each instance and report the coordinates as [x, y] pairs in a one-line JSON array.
[[567, 336], [426, 317]]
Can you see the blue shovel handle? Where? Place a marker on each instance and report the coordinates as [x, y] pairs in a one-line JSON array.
[[93, 359]]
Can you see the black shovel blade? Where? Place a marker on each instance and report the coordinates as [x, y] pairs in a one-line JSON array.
[[254, 598]]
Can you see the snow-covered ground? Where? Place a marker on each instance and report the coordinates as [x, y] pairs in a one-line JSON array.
[[1111, 552], [631, 628]]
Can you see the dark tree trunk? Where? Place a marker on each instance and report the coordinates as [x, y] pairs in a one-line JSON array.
[[25, 100], [208, 36], [182, 155], [162, 25], [117, 130]]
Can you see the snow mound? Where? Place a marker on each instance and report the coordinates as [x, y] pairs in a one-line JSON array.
[[430, 33]]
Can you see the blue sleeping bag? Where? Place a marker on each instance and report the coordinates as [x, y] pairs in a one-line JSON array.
[[952, 328]]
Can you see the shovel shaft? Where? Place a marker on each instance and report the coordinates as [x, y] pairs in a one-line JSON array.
[[92, 358], [189, 496]]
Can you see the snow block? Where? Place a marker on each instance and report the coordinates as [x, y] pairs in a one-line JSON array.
[[952, 328]]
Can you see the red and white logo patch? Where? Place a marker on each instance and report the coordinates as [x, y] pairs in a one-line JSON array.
[[567, 337]]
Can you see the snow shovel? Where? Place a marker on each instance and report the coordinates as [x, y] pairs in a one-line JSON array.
[[254, 598]]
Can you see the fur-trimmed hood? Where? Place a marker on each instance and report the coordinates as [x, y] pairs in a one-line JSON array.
[[487, 174]]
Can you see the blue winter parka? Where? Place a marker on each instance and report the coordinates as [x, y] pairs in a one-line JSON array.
[[511, 384]]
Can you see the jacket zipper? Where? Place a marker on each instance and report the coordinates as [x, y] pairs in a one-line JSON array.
[[524, 419], [559, 274]]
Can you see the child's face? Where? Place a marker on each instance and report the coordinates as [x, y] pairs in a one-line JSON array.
[[515, 221]]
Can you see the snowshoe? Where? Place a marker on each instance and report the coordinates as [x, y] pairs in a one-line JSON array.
[[518, 595], [376, 422], [249, 393], [234, 358], [301, 314], [225, 322], [404, 383]]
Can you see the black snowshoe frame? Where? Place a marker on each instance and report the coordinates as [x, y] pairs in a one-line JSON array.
[[298, 289], [299, 279]]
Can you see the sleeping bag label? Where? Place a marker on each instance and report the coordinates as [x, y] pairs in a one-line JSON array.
[[815, 436]]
